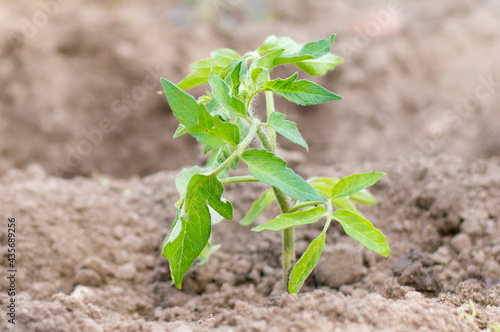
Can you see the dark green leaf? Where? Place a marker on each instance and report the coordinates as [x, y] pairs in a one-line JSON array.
[[207, 129], [363, 231], [353, 183], [191, 231], [258, 207], [301, 92], [306, 264], [272, 170], [222, 94], [287, 220], [286, 128]]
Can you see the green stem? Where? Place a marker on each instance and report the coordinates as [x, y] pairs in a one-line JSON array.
[[288, 248], [271, 134], [239, 148], [237, 179]]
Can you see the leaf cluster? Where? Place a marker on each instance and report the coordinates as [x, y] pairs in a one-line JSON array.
[[222, 121]]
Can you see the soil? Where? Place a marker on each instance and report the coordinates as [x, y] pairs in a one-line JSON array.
[[88, 167]]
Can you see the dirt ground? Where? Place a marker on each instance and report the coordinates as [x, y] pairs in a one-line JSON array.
[[88, 165]]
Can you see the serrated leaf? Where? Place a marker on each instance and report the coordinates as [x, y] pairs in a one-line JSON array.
[[287, 129], [306, 264], [221, 93], [191, 231], [363, 231], [201, 69], [353, 183], [312, 50], [302, 92], [272, 170], [258, 207], [320, 66], [273, 43], [181, 130], [287, 220], [207, 129]]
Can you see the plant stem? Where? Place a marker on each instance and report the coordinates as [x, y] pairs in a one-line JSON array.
[[288, 238], [306, 204], [239, 148]]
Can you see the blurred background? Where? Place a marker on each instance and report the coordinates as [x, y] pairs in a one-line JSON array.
[[79, 80]]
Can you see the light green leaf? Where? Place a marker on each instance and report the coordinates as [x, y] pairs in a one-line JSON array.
[[345, 203], [267, 61], [236, 76], [258, 207], [272, 170], [306, 264], [183, 178], [287, 220], [324, 185], [207, 252], [302, 92], [191, 231], [320, 66], [312, 50], [353, 183], [273, 43], [287, 128], [364, 197], [221, 93], [363, 231], [207, 129], [201, 69], [181, 130]]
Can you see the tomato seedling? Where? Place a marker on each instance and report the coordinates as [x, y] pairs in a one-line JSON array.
[[224, 122]]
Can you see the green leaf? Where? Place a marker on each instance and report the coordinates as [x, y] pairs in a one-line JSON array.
[[320, 66], [345, 203], [207, 252], [181, 130], [306, 264], [286, 128], [236, 76], [222, 94], [267, 61], [183, 178], [272, 170], [312, 50], [258, 207], [364, 197], [363, 231], [207, 129], [353, 183], [287, 220], [201, 69], [273, 43], [301, 92], [191, 230], [324, 185]]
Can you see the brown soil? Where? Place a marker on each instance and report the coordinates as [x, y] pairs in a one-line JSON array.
[[88, 167]]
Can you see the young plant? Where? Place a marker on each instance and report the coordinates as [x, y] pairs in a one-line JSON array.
[[224, 122]]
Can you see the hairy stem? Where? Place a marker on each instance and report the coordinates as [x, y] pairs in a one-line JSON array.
[[288, 248], [236, 179]]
